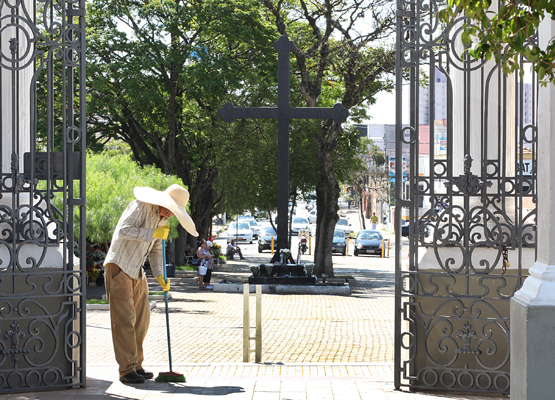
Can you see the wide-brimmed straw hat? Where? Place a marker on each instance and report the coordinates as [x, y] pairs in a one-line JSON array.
[[174, 198]]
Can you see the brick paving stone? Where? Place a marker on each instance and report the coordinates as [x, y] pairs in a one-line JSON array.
[[314, 346]]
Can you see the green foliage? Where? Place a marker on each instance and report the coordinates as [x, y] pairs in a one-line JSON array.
[[186, 268], [98, 301], [506, 35], [111, 177], [158, 72]]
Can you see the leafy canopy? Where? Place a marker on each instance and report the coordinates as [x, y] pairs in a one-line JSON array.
[[508, 34], [111, 177]]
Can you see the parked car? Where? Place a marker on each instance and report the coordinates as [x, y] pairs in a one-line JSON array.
[[339, 242], [300, 223], [405, 229], [265, 238], [312, 216], [240, 231], [343, 224], [368, 242], [255, 226], [425, 230]]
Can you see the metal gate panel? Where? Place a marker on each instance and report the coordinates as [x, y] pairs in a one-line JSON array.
[[42, 195], [469, 200]]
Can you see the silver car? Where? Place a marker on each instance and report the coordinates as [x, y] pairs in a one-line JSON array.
[[312, 216], [241, 231], [300, 223], [254, 226], [343, 224], [265, 238]]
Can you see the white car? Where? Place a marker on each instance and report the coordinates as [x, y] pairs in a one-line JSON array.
[[241, 232], [312, 216], [255, 226], [343, 224], [300, 223]]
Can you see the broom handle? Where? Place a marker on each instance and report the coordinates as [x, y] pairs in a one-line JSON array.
[[166, 300]]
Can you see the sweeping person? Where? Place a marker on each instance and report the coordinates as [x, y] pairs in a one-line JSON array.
[[138, 235]]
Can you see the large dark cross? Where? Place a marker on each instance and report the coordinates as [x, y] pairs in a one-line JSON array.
[[283, 113]]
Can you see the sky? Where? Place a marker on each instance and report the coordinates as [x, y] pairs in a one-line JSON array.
[[383, 111]]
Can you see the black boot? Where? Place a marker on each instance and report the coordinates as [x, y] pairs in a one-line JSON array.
[[132, 377], [145, 374]]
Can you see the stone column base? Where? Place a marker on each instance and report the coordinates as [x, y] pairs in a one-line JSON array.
[[532, 351]]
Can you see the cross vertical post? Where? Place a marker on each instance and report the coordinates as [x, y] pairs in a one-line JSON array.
[[283, 113], [283, 48]]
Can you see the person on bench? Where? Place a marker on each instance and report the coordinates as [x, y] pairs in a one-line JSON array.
[[232, 249]]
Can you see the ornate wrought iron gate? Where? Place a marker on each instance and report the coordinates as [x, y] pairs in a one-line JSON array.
[[469, 200], [42, 195]]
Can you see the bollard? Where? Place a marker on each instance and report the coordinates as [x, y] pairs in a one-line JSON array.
[[310, 245], [383, 247], [258, 334], [272, 245], [347, 247], [247, 325]]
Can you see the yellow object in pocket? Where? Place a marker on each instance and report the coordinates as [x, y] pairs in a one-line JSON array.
[[161, 232]]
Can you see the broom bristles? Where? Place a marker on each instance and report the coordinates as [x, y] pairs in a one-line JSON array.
[[170, 377]]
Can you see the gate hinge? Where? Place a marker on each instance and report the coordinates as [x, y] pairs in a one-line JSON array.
[[76, 202], [405, 13]]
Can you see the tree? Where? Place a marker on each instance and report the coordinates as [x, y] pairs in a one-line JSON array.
[[156, 73], [111, 177], [332, 57], [508, 34], [372, 177]]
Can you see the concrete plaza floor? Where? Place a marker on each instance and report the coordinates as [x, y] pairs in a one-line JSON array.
[[314, 346]]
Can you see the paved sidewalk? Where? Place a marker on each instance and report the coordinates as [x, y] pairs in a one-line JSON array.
[[249, 382]]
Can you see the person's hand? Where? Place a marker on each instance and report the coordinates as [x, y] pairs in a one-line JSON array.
[[164, 285], [161, 232]]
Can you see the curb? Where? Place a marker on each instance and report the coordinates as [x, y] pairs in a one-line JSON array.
[[341, 290]]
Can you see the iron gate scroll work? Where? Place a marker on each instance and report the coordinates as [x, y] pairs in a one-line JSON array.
[[42, 119], [470, 201]]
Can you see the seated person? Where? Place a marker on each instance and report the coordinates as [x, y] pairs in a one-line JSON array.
[[232, 249], [189, 251]]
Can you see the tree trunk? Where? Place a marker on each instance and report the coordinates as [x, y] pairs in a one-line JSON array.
[[170, 253], [361, 210], [181, 245], [327, 193]]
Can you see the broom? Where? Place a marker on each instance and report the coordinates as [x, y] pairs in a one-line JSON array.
[[168, 376]]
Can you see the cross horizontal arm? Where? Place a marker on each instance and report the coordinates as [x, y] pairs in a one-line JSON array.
[[338, 113], [228, 112]]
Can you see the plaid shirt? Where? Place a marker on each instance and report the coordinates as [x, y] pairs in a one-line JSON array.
[[132, 241]]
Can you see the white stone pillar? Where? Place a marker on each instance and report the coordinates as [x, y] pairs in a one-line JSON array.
[[533, 306], [17, 67]]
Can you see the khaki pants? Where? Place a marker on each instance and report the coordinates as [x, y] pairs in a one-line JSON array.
[[129, 316]]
